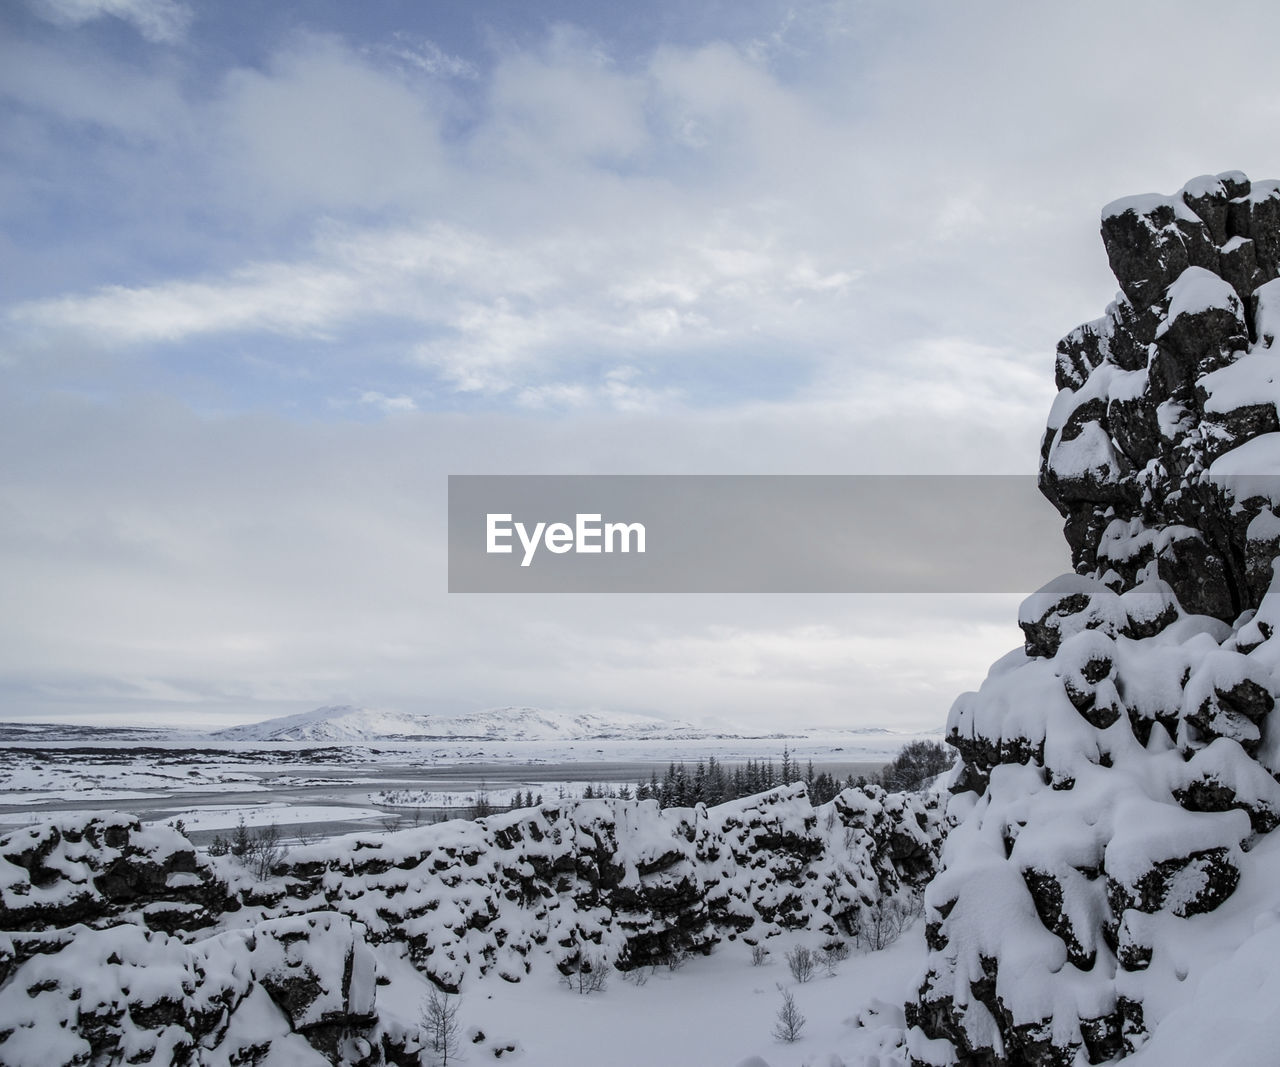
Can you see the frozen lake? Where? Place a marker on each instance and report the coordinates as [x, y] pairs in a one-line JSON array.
[[310, 791]]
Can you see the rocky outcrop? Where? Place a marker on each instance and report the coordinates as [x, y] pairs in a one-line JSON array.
[[1120, 772], [1168, 381], [127, 995], [99, 870], [123, 945], [619, 881]]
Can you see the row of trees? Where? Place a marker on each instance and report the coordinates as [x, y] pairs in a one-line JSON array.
[[712, 782]]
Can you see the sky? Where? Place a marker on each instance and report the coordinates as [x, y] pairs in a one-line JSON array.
[[272, 272]]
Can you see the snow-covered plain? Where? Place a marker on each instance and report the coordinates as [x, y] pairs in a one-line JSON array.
[[715, 1011], [549, 753]]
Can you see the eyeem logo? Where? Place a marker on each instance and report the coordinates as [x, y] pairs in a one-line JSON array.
[[587, 535]]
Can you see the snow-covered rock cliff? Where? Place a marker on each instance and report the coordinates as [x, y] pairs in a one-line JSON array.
[[1119, 787]]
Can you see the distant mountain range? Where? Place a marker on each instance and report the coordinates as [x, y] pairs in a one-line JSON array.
[[350, 724], [347, 723]]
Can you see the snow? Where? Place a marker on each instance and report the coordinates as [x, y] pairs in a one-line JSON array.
[[348, 723], [1249, 381], [110, 780], [257, 815], [1144, 204], [1147, 832], [1090, 454], [1197, 290], [1251, 469], [1266, 318], [1264, 190], [496, 797], [714, 1010], [1204, 185], [1063, 405], [1241, 995], [351, 933]]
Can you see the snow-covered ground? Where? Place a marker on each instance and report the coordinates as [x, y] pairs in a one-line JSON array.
[[260, 815], [497, 798], [714, 1011], [224, 817], [167, 777]]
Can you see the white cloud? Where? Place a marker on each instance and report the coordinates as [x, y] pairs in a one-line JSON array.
[[388, 404], [424, 55], [846, 248], [242, 566], [161, 21], [498, 315], [99, 93], [569, 105], [323, 128], [619, 390]]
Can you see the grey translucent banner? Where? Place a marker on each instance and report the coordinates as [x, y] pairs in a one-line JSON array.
[[751, 534]]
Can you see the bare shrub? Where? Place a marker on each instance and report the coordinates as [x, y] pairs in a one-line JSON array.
[[883, 923], [266, 850], [831, 954], [260, 850], [801, 961], [440, 1025], [637, 976], [481, 806], [789, 1021], [759, 954], [589, 975]]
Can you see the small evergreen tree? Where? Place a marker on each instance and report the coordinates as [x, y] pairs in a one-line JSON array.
[[241, 840]]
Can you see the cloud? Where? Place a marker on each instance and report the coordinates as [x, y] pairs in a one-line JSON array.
[[388, 404], [845, 246], [233, 567], [99, 93], [424, 55], [494, 317], [323, 127], [159, 21], [619, 390]]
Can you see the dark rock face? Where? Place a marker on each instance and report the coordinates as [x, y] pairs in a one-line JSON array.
[[1140, 419], [1117, 774]]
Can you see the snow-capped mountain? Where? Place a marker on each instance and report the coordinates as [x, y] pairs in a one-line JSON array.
[[348, 723]]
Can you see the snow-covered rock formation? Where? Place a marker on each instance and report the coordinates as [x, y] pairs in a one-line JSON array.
[[620, 881], [1119, 782], [121, 944]]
